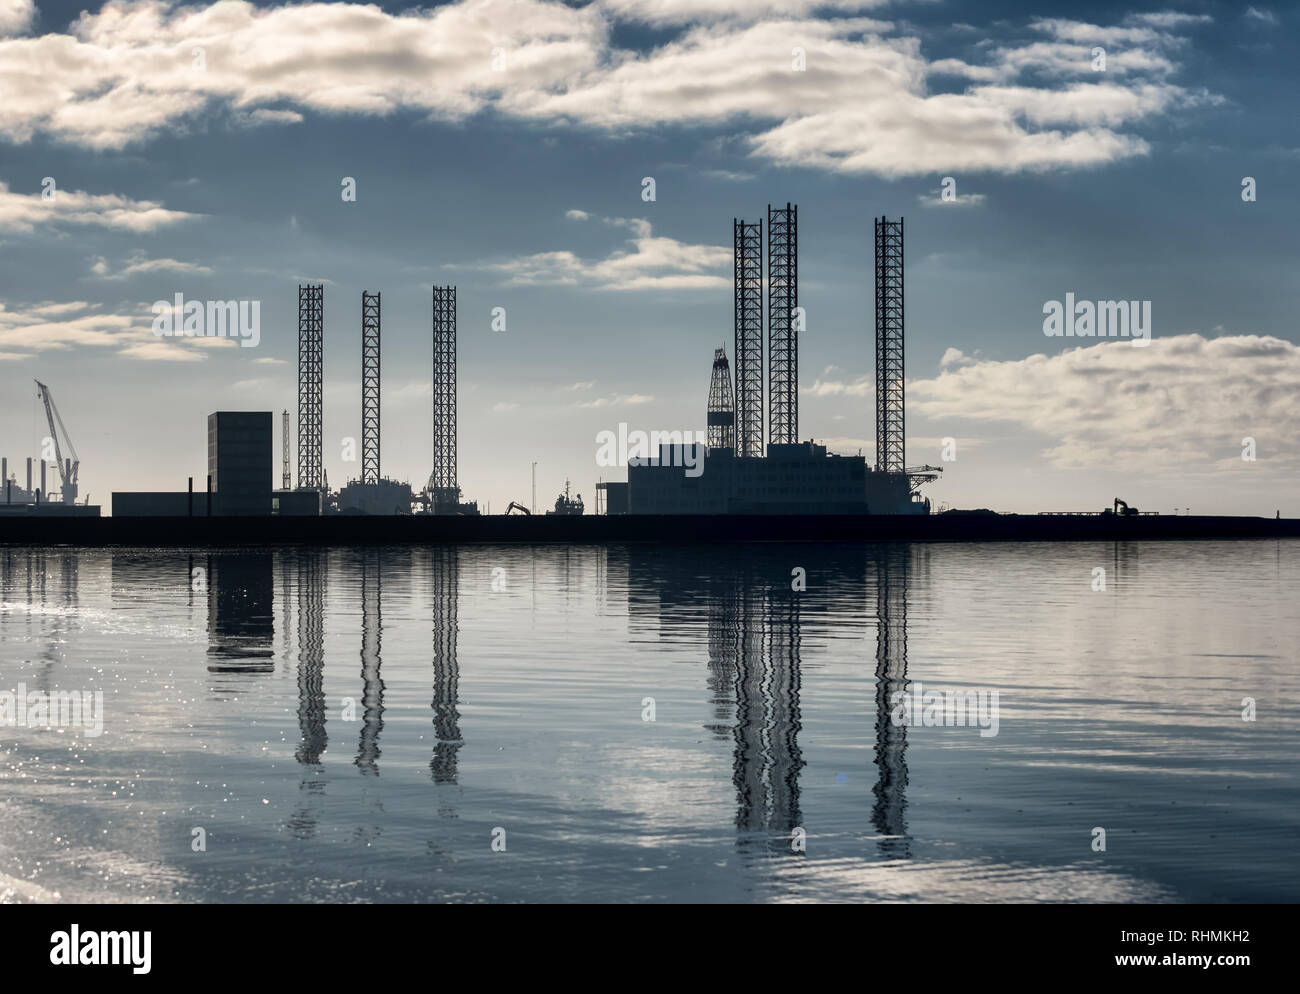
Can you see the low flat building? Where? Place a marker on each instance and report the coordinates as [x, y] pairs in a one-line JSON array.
[[792, 479], [384, 497], [159, 504]]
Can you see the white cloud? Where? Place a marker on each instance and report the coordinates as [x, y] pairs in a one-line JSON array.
[[46, 327], [652, 263], [1182, 404], [618, 400], [861, 387], [16, 15], [935, 199], [138, 264], [24, 212], [666, 12], [862, 105], [1261, 14], [576, 215]]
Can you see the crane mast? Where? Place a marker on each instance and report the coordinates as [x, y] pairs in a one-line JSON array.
[[67, 469]]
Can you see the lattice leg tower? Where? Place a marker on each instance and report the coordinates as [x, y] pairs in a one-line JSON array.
[[369, 387], [311, 310], [782, 329], [889, 346], [748, 271]]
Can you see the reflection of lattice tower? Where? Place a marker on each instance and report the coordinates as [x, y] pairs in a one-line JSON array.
[[766, 759], [442, 482], [889, 346], [722, 412], [782, 330], [372, 682], [312, 706], [369, 387], [311, 323], [748, 272], [445, 589], [892, 565]]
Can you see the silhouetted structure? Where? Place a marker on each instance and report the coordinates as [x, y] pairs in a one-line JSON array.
[[782, 327], [722, 410], [443, 488], [286, 481], [889, 346], [369, 387], [748, 274], [240, 462], [311, 324]]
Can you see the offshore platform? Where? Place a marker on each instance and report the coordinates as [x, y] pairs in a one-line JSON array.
[[750, 470]]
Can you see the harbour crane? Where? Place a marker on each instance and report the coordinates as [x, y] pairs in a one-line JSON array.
[[67, 469]]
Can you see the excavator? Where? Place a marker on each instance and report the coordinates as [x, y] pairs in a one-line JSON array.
[[67, 470], [517, 508], [1127, 511]]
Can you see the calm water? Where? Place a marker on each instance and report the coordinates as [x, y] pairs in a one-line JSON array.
[[360, 724]]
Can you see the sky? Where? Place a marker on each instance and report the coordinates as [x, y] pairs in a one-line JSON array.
[[149, 149]]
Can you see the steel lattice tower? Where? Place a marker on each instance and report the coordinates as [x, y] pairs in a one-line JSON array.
[[748, 271], [782, 332], [311, 324], [889, 346], [284, 451], [442, 484], [722, 412], [369, 387]]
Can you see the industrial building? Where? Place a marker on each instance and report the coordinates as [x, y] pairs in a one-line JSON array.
[[239, 478], [240, 462], [747, 470]]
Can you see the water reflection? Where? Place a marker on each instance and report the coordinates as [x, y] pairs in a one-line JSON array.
[[370, 566], [313, 737], [757, 626], [516, 708], [887, 813], [241, 621], [444, 582]]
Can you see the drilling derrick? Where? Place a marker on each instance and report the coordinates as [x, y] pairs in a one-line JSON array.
[[311, 309], [285, 482], [443, 490], [369, 387], [748, 273], [722, 412], [889, 346], [782, 325]]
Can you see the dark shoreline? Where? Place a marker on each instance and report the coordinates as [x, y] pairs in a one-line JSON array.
[[431, 529]]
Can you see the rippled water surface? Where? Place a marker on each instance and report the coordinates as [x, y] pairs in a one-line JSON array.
[[364, 724]]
